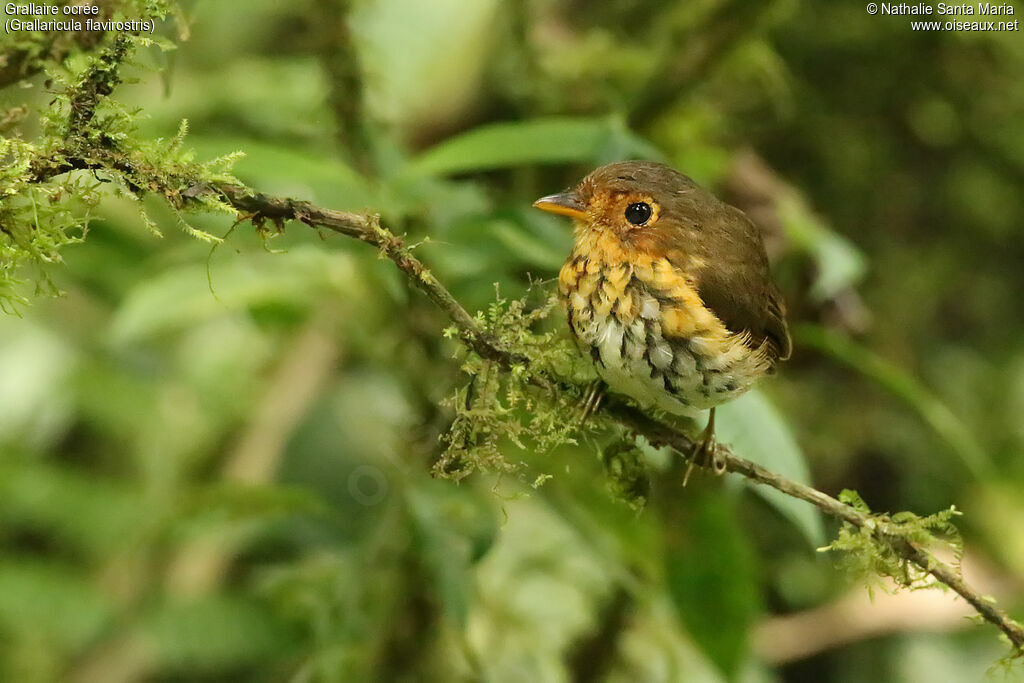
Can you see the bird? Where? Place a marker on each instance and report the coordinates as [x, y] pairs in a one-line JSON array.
[[668, 290]]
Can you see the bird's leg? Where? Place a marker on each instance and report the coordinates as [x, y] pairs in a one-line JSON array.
[[591, 400], [705, 451]]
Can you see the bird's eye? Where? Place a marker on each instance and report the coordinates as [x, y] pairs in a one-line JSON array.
[[638, 213]]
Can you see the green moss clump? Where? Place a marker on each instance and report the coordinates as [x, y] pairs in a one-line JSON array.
[[869, 551], [499, 406]]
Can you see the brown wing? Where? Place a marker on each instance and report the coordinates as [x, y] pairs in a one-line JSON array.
[[742, 305], [732, 275]]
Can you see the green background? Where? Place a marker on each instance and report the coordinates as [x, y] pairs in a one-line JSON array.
[[216, 465]]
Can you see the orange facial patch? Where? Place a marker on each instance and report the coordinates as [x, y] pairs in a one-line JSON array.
[[608, 209]]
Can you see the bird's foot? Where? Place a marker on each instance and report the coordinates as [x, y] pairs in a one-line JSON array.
[[591, 401], [705, 451]]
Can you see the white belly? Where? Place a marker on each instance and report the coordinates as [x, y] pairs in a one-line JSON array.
[[628, 366]]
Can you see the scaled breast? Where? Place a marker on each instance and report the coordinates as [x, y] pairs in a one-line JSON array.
[[650, 336]]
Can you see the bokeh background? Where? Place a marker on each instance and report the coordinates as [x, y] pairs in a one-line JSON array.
[[216, 465]]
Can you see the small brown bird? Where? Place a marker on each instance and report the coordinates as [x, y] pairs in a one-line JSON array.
[[669, 291]]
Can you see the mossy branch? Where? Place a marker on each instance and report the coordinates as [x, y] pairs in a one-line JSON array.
[[183, 184]]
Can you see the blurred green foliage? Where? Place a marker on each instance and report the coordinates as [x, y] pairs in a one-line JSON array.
[[215, 464]]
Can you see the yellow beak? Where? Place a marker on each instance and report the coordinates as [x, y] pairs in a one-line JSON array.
[[564, 204]]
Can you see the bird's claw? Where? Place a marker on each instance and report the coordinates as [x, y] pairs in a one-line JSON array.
[[591, 401], [705, 452]]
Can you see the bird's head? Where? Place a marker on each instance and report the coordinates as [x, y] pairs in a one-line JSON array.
[[628, 198]]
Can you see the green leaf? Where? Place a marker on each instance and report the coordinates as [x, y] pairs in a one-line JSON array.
[[451, 531], [216, 632], [285, 170], [757, 432], [181, 297], [905, 387], [548, 140], [424, 60], [712, 577], [529, 248], [840, 264], [87, 512], [50, 601], [34, 365]]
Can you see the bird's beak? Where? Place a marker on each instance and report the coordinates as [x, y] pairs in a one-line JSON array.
[[565, 204]]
